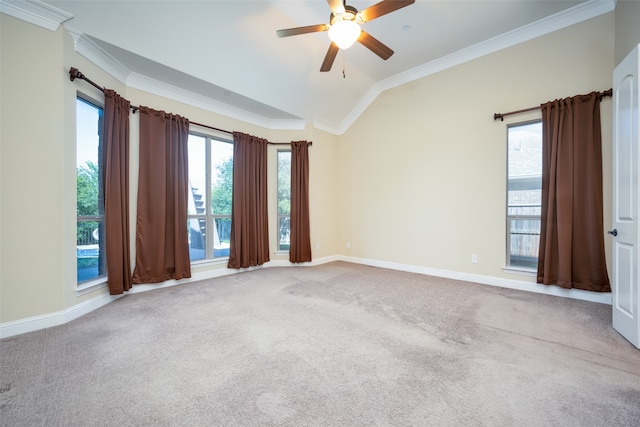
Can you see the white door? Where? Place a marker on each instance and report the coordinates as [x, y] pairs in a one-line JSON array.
[[626, 298]]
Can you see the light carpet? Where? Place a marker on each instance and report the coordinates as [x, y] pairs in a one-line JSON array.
[[338, 344]]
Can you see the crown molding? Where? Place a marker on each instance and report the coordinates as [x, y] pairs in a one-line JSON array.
[[360, 107], [96, 54], [287, 124], [582, 12], [558, 21], [326, 126], [35, 12], [105, 61], [141, 82], [46, 16]]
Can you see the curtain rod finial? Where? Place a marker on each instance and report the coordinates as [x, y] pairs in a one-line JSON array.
[[74, 73], [497, 116]]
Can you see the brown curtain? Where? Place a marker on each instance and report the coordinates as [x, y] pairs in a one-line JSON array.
[[249, 244], [300, 247], [572, 231], [162, 243], [115, 157]]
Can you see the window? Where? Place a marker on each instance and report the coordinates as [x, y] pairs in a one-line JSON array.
[[210, 195], [524, 190], [284, 199], [90, 254]]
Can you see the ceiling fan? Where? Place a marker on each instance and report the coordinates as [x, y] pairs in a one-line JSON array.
[[344, 28]]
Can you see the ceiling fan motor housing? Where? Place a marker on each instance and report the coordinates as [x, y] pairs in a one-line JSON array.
[[344, 28], [350, 14]]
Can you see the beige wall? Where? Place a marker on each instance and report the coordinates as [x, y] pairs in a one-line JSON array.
[[38, 178], [419, 179], [37, 267], [32, 170], [423, 170], [627, 27]]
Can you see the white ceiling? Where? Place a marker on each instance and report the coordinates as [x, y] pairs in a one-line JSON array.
[[227, 51]]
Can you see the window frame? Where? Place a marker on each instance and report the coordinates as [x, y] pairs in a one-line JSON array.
[[84, 285], [509, 217], [208, 215], [279, 216]]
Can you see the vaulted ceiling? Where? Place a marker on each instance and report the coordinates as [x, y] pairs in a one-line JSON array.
[[225, 56]]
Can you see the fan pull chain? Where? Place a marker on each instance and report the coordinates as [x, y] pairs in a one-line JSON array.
[[344, 54]]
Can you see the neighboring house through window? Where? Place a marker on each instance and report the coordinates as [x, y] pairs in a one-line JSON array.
[[284, 199], [90, 241], [524, 189], [210, 196]]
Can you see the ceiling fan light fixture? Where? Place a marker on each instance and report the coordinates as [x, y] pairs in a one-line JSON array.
[[344, 33], [344, 28]]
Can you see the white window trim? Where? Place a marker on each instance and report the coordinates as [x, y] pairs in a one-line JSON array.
[[507, 267], [208, 216], [90, 285]]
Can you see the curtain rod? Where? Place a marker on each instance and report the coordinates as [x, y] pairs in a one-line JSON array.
[[74, 73], [501, 116]]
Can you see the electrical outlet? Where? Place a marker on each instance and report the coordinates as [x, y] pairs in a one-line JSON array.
[[474, 259], [317, 245], [348, 245]]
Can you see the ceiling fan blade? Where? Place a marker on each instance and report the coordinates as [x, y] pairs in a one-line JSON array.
[[302, 30], [375, 45], [329, 57], [382, 8], [336, 6]]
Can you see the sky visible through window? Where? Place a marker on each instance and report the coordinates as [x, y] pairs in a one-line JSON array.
[[87, 129]]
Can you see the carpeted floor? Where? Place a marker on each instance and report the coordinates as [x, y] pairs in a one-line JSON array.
[[333, 345]]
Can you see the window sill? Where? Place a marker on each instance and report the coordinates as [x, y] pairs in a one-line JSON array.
[[209, 262], [520, 271], [90, 286]]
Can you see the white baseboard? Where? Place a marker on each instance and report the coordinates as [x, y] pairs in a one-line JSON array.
[[35, 323], [599, 297], [317, 261], [219, 272]]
